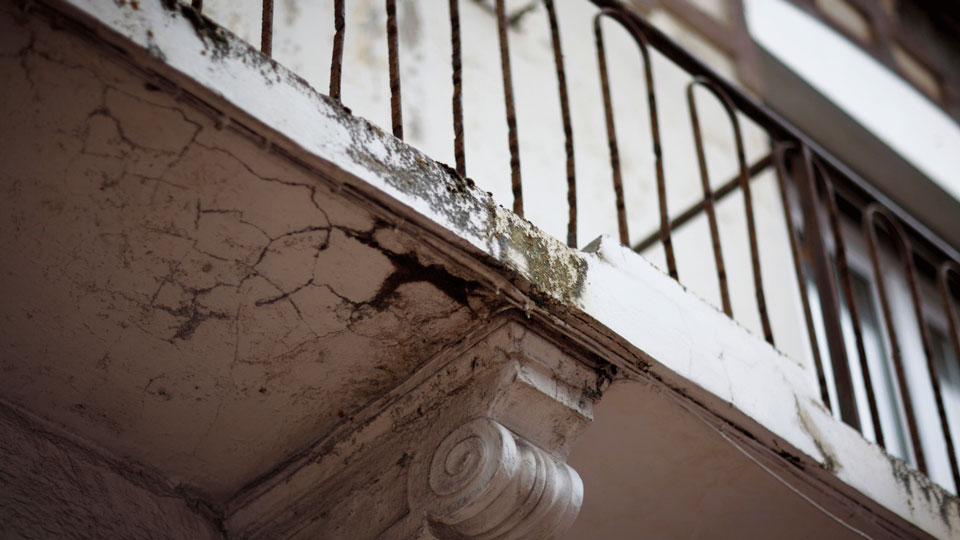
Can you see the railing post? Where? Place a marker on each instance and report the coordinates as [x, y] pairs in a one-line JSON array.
[[823, 275], [780, 155]]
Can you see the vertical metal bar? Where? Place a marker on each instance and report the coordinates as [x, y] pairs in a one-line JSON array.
[[197, 5], [511, 113], [779, 157], [925, 341], [641, 41], [459, 151], [611, 131], [665, 237], [948, 307], [826, 287], [843, 267], [870, 215], [336, 63], [709, 201], [396, 109], [748, 208], [567, 124], [266, 28]]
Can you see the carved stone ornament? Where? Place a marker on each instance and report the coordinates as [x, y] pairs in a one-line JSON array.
[[486, 483]]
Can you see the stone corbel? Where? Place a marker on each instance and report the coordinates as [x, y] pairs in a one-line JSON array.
[[499, 471], [485, 482], [474, 447]]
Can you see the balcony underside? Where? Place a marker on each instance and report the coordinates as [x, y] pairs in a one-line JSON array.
[[210, 271]]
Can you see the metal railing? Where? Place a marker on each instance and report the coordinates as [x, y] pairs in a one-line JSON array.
[[821, 184]]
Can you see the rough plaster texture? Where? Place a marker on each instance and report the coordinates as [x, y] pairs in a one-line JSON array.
[[214, 309], [215, 202], [54, 487]]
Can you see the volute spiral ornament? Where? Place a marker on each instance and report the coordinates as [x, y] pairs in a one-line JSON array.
[[486, 483]]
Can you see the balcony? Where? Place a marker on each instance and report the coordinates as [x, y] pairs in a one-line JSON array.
[[267, 278]]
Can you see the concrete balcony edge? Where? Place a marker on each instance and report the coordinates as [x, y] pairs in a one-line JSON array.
[[610, 301]]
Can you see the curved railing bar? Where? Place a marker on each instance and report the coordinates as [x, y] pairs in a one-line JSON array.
[[511, 111], [641, 40], [778, 127], [567, 124], [708, 201], [953, 327], [728, 107], [611, 129], [843, 268], [456, 64], [870, 217], [779, 153]]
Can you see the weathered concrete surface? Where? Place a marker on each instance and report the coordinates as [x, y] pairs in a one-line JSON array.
[[187, 301], [178, 295], [54, 487]]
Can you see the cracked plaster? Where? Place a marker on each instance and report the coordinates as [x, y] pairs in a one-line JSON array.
[[235, 189], [214, 308]]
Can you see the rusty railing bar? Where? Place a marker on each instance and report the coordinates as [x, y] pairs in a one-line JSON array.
[[953, 329], [843, 267], [925, 341], [817, 253], [708, 199], [336, 62], [779, 151], [502, 31], [266, 28], [744, 187], [718, 195], [641, 41], [393, 54], [869, 224], [456, 64], [778, 127], [567, 124], [611, 130]]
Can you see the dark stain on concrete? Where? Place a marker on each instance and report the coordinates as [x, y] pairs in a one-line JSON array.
[[409, 269]]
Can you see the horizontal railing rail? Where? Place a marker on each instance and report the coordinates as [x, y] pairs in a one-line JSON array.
[[809, 177]]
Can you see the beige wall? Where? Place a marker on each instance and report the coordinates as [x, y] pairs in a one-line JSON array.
[[54, 487]]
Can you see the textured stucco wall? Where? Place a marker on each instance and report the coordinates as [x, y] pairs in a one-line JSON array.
[[53, 487], [176, 293]]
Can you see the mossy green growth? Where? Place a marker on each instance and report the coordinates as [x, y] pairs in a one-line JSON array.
[[556, 270]]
